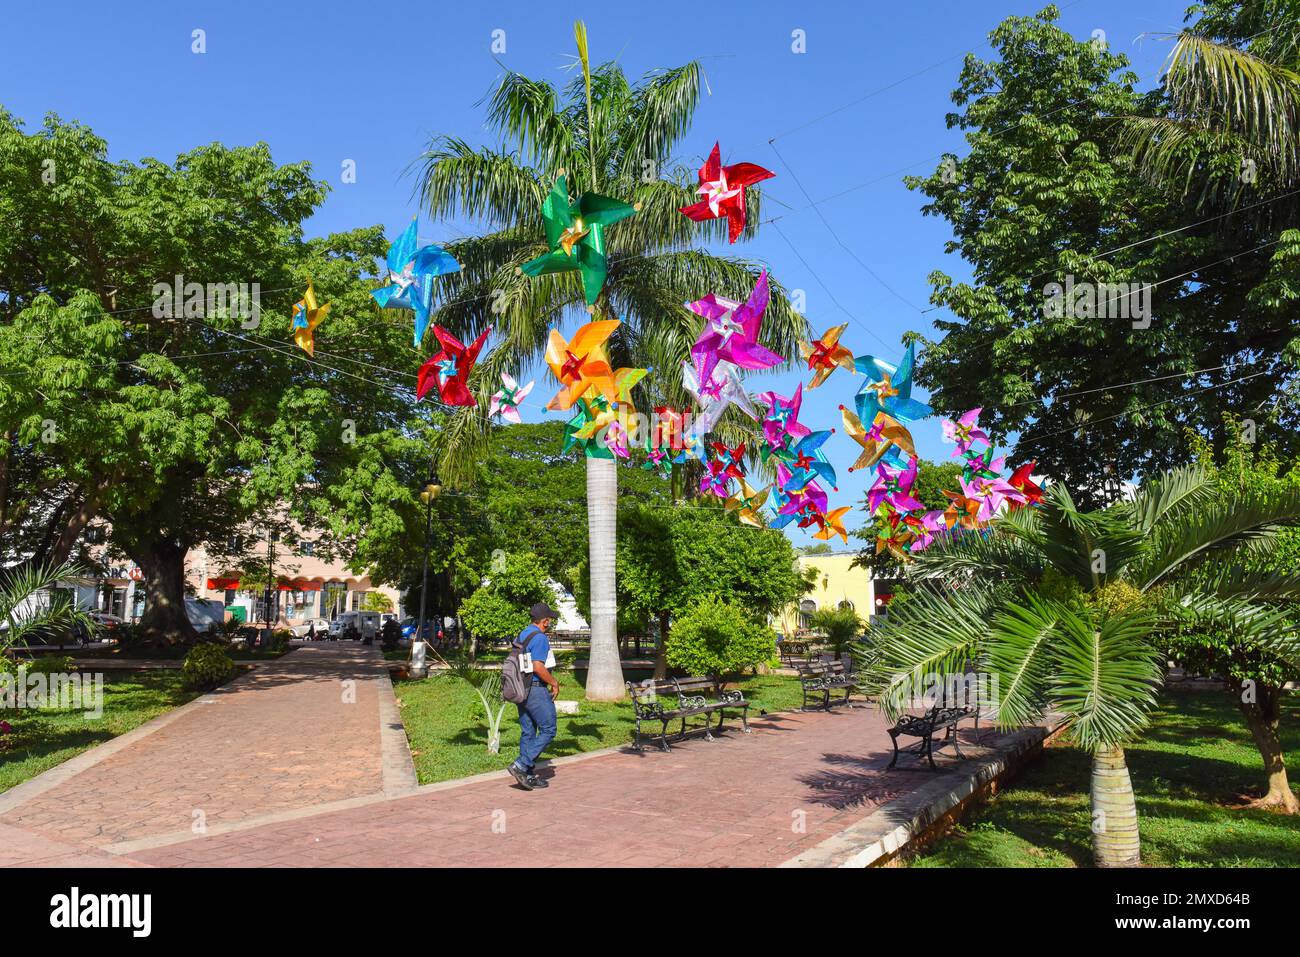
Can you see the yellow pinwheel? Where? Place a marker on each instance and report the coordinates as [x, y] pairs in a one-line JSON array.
[[306, 317]]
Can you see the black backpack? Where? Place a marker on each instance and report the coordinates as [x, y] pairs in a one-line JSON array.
[[515, 685]]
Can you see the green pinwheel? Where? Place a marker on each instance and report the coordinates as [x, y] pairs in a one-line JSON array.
[[576, 234]]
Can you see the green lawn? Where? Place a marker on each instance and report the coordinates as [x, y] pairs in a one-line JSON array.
[[448, 735], [40, 739], [1194, 764]]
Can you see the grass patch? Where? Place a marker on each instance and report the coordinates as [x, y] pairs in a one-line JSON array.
[[1193, 764], [42, 739], [448, 735]]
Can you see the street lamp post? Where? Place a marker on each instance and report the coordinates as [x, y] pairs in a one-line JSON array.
[[418, 666]]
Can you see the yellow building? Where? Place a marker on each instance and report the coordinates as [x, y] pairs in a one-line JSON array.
[[837, 583]]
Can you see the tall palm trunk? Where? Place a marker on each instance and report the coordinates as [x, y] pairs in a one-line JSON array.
[[605, 677], [1114, 811]]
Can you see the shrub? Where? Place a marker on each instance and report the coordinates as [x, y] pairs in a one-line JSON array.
[[840, 626], [714, 639], [490, 616], [206, 666]]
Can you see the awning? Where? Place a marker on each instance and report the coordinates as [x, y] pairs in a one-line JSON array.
[[223, 584], [298, 584]]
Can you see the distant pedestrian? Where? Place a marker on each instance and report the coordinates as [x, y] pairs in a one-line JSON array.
[[537, 713]]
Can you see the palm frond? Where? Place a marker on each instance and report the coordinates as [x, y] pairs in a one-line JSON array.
[[29, 607], [1019, 658], [455, 179]]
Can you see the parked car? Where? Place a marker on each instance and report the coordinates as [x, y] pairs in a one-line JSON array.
[[355, 625], [319, 627]]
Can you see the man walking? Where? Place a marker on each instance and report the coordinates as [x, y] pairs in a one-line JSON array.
[[537, 714]]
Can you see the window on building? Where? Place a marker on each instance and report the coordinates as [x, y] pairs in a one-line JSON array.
[[806, 609], [308, 549]]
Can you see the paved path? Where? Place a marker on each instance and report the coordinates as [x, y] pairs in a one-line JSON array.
[[285, 770], [315, 727]]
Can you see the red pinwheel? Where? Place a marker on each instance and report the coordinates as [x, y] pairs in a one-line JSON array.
[[449, 369], [1022, 483], [723, 192]]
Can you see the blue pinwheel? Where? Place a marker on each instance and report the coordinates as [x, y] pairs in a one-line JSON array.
[[888, 389], [410, 270], [806, 461]]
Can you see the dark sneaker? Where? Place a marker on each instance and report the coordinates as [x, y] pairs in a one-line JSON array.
[[537, 782], [522, 777]]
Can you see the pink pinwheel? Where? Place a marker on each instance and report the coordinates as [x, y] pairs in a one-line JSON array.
[[782, 420], [811, 496], [895, 487], [965, 432], [731, 332], [926, 528], [990, 493], [616, 439], [507, 400]]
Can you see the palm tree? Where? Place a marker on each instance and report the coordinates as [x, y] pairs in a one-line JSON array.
[[615, 138], [25, 614], [1062, 609], [1229, 129]]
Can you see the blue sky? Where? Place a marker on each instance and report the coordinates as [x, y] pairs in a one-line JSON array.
[[330, 81]]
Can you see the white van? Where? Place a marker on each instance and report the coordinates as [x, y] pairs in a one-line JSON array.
[[365, 623]]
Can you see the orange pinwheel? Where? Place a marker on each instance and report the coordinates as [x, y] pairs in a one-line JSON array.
[[962, 510], [824, 355], [581, 364], [747, 502], [896, 543], [832, 524], [885, 437]]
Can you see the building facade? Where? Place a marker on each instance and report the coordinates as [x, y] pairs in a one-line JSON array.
[[836, 584]]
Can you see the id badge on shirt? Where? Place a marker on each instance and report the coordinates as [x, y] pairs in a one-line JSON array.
[[525, 663]]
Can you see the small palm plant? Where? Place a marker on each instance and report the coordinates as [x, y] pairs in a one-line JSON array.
[[487, 685], [26, 614], [840, 627], [1062, 610]]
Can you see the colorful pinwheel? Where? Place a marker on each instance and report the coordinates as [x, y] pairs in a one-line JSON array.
[[723, 189], [575, 233], [1022, 483], [926, 529], [894, 486], [825, 355], [449, 369], [306, 317], [731, 332], [716, 480], [982, 465], [410, 274], [581, 365], [580, 432], [781, 422], [990, 493], [965, 431], [888, 389], [896, 543], [507, 400], [747, 502], [884, 440], [721, 389], [962, 511], [831, 524], [806, 460], [656, 458]]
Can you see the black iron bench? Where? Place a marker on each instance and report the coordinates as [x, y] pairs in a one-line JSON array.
[[820, 678], [925, 727], [676, 699], [792, 651]]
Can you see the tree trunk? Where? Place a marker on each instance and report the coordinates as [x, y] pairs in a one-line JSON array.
[[164, 620], [661, 662], [1114, 812], [1263, 717], [605, 674]]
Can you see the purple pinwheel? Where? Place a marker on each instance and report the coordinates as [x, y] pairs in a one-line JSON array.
[[795, 500], [895, 487], [782, 419], [714, 393], [927, 528], [731, 332], [716, 479], [965, 432], [990, 493]]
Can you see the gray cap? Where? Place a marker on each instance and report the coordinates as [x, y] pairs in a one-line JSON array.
[[542, 610]]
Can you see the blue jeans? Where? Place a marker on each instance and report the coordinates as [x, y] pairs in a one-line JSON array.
[[536, 725]]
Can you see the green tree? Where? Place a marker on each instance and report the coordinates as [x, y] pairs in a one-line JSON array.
[[499, 608], [376, 601], [1065, 608], [840, 627], [176, 430], [1045, 194], [615, 138], [1256, 680], [716, 638]]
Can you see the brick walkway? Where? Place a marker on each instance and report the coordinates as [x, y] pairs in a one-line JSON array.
[[287, 773], [300, 731]]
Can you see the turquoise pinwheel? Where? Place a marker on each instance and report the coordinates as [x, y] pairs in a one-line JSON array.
[[888, 389], [411, 269]]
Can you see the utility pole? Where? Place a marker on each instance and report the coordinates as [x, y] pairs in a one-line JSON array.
[[431, 490]]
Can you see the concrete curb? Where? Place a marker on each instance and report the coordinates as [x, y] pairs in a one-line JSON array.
[[896, 824]]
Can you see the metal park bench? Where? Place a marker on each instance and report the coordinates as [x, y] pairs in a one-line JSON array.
[[649, 704], [820, 678], [925, 727]]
